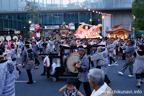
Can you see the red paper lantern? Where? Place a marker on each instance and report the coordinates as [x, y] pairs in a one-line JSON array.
[[37, 27]]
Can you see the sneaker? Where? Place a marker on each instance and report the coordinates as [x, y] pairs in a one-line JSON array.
[[138, 86], [109, 65], [30, 82], [130, 76], [115, 64], [19, 72], [43, 74], [121, 73]]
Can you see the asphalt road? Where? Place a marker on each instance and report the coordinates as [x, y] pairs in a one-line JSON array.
[[121, 85]]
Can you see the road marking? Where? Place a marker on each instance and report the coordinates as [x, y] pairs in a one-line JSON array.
[[23, 81]]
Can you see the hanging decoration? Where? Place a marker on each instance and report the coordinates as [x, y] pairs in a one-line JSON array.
[[69, 1]]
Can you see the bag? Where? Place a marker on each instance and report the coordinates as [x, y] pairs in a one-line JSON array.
[[53, 68], [46, 61]]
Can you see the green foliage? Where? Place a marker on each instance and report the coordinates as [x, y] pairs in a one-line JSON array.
[[33, 10], [138, 12]]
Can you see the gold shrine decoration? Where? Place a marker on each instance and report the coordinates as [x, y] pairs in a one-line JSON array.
[[118, 31], [64, 32]]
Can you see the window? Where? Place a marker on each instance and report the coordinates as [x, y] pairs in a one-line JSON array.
[[13, 5], [0, 5], [45, 3], [5, 5]]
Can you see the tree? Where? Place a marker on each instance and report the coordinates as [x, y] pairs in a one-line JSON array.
[[138, 13], [33, 10]]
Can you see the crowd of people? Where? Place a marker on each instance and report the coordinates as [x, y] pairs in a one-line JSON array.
[[28, 50]]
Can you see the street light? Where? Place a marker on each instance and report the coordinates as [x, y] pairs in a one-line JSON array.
[[90, 20], [133, 27], [69, 1], [134, 17], [103, 17], [103, 29], [30, 22]]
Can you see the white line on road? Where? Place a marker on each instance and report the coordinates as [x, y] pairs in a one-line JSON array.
[[23, 81]]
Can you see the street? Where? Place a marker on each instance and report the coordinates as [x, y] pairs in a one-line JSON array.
[[121, 85]]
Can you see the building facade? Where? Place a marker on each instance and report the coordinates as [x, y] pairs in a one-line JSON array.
[[54, 12]]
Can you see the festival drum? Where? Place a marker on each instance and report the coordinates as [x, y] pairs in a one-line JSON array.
[[2, 38], [15, 37], [8, 38], [71, 62]]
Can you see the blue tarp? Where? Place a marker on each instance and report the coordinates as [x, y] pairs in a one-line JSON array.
[[131, 33], [140, 33]]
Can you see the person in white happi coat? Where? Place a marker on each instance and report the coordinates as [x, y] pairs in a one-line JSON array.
[[115, 42], [13, 55], [103, 42], [123, 49], [139, 65], [8, 76], [130, 50], [102, 61], [110, 48], [83, 68]]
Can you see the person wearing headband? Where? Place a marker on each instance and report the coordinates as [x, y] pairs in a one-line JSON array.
[[130, 50], [83, 67], [28, 57]]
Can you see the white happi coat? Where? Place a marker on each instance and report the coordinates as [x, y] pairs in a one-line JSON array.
[[102, 58]]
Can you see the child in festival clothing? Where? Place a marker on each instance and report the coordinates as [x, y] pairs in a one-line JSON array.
[[70, 89], [19, 52]]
